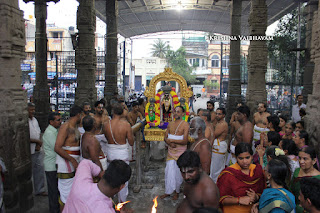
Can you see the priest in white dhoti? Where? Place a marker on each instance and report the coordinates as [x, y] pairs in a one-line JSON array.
[[176, 138]]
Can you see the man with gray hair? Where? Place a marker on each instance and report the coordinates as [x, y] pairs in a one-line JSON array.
[[201, 145]]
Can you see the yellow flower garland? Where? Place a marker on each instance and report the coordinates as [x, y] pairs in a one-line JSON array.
[[187, 112], [175, 100], [157, 114]]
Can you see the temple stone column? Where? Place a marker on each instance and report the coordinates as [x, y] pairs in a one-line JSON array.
[[41, 93], [14, 130], [258, 55], [111, 50], [309, 66], [313, 106], [86, 59], [234, 89]]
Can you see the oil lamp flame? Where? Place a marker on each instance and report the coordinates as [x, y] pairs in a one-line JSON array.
[[119, 205], [154, 210]]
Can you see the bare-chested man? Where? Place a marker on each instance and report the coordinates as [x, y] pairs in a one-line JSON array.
[[201, 145], [125, 115], [120, 137], [68, 149], [234, 123], [220, 145], [206, 116], [199, 189], [210, 107], [86, 111], [142, 106], [260, 123], [135, 114], [100, 117], [177, 138], [243, 134], [90, 146]]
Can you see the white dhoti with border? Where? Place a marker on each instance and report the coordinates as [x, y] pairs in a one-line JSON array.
[[218, 158], [119, 152], [173, 177], [103, 143], [66, 171], [103, 161], [256, 135]]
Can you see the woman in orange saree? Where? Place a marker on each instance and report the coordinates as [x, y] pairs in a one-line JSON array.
[[242, 183]]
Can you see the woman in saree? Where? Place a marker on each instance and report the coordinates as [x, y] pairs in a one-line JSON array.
[[242, 183], [277, 198], [307, 160]]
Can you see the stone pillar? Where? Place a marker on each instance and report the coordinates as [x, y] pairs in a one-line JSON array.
[[14, 130], [234, 89], [309, 66], [86, 59], [41, 92], [313, 106], [111, 50], [258, 55]]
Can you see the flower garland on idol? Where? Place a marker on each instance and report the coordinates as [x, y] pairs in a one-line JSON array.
[[174, 96]]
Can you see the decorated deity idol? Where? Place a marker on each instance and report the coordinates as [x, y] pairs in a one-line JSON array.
[[152, 110], [152, 113], [167, 100], [166, 104]]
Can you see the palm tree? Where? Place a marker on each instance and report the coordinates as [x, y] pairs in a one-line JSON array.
[[159, 49]]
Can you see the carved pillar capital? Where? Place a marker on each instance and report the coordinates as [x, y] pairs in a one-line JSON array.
[[12, 36], [258, 17]]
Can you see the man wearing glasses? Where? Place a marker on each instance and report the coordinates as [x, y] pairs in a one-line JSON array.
[[49, 141]]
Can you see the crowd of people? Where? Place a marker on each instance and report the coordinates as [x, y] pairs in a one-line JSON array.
[[263, 165]]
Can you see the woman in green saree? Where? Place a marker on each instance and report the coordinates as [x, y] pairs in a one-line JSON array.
[[307, 160]]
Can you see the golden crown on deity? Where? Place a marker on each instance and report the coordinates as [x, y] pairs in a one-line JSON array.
[[166, 89]]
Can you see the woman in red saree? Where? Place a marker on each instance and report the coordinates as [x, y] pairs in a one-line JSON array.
[[242, 183]]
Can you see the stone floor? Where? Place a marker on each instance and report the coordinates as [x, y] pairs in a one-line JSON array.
[[141, 202]]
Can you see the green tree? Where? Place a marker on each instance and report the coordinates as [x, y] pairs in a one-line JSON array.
[[177, 60], [159, 49], [211, 85], [284, 41]]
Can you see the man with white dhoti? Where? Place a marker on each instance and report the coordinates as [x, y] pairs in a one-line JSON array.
[[220, 146], [90, 146], [260, 123], [177, 138], [103, 144], [120, 137], [68, 149]]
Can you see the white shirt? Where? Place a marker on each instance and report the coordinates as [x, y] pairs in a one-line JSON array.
[[35, 132], [295, 112]]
